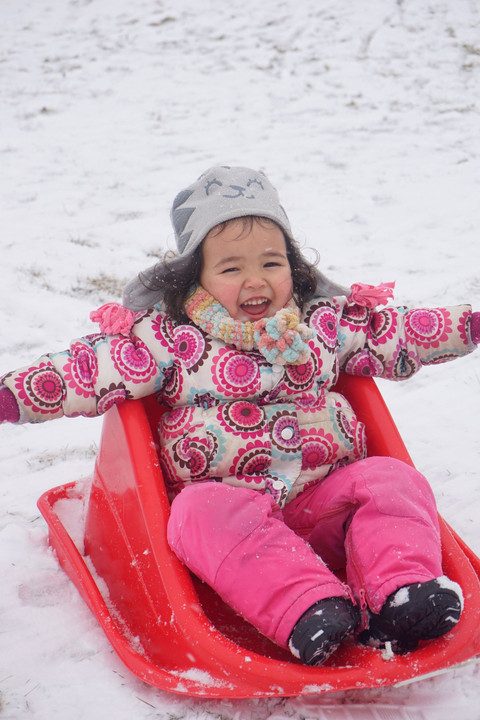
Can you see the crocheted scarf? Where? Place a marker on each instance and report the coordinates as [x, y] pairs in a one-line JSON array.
[[280, 338]]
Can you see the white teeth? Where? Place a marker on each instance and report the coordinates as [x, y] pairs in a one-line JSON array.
[[255, 302]]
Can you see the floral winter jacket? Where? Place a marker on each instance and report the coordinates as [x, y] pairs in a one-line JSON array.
[[235, 417]]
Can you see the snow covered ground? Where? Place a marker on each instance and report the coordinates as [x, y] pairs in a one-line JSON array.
[[365, 115]]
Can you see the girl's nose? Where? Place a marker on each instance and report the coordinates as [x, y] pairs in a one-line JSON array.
[[255, 280]]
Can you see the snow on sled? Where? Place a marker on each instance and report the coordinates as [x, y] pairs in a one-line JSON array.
[[173, 631]]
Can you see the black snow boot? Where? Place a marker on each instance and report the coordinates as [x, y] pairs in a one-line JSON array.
[[421, 611], [322, 628]]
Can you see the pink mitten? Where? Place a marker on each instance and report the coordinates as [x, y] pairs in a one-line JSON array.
[[114, 319], [371, 295], [475, 328], [8, 406]]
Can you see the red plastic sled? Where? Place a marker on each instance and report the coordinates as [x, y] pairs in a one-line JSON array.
[[173, 631]]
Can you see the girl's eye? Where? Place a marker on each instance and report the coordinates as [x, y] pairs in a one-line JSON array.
[[229, 270]]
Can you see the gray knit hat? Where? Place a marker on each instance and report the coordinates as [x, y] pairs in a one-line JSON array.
[[220, 194]]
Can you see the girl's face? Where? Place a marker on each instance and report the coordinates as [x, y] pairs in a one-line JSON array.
[[247, 270]]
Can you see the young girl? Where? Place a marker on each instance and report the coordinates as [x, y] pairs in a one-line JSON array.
[[266, 467]]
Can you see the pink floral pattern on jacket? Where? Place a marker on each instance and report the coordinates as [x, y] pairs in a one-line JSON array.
[[234, 416]]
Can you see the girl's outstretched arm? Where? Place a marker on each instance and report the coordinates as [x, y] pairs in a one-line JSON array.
[[95, 372], [395, 342]]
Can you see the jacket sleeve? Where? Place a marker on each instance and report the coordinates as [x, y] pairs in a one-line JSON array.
[[96, 372], [394, 342]]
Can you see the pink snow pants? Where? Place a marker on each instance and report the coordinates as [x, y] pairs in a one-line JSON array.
[[376, 518]]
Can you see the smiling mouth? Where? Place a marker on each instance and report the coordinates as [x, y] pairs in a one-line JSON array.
[[256, 308]]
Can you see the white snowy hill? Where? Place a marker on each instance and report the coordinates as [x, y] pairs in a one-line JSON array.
[[365, 115]]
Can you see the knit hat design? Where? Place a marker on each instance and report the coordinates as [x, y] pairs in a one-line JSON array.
[[223, 193]]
